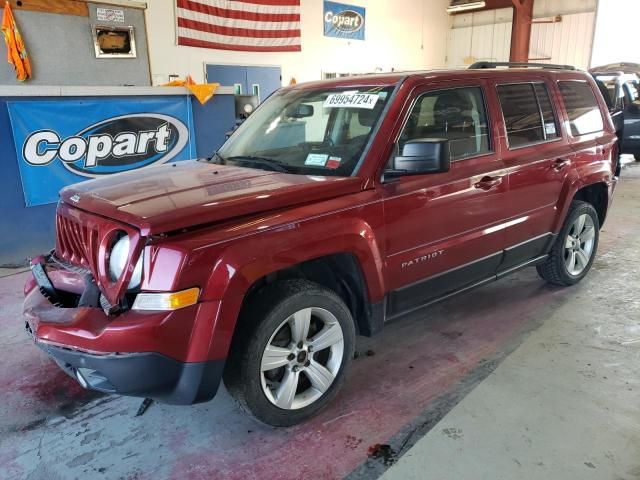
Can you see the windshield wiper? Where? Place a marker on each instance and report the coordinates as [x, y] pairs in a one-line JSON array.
[[217, 158], [271, 162]]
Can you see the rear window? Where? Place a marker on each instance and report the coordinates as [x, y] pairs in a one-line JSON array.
[[582, 107], [528, 114]]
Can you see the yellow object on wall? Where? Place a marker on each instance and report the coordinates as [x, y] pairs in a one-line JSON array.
[[202, 91], [16, 51]]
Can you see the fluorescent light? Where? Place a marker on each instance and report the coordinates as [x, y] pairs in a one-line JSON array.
[[465, 6]]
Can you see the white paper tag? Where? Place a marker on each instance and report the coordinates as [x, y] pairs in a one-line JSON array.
[[110, 15], [550, 128], [316, 159], [351, 100]]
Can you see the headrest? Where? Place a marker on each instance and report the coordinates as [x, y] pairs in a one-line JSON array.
[[450, 105]]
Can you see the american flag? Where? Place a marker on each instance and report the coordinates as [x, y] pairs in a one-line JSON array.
[[244, 25]]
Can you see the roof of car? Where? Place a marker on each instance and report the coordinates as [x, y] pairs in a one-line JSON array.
[[393, 78]]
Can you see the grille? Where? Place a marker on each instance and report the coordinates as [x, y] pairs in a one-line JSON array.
[[75, 242]]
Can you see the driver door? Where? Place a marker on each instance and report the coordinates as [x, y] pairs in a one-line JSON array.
[[445, 231]]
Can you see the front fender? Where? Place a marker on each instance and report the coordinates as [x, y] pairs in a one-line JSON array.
[[235, 264], [245, 261]]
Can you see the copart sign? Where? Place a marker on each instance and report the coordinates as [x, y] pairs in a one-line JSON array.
[[63, 142], [343, 21]]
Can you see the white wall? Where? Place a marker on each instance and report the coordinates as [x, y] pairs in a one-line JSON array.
[[480, 36], [393, 35], [616, 36], [487, 35], [567, 42]]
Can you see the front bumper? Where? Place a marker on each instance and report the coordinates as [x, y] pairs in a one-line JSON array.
[[164, 355], [149, 375]]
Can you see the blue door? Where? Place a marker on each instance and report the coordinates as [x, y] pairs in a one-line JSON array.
[[260, 81], [263, 81]]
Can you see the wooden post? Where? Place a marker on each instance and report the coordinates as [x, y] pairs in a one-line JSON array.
[[521, 30]]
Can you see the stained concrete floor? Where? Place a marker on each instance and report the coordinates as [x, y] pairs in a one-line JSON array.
[[514, 380]]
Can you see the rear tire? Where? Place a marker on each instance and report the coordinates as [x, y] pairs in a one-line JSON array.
[[293, 344], [574, 250]]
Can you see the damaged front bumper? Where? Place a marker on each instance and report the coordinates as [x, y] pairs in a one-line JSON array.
[[147, 354], [150, 375]]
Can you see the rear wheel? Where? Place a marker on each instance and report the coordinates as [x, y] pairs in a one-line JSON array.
[[288, 360], [574, 250]]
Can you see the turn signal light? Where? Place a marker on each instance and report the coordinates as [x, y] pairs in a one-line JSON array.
[[166, 301]]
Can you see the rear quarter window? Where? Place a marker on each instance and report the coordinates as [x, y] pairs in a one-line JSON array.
[[528, 115], [582, 107]]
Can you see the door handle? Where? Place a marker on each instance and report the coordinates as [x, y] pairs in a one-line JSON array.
[[487, 183], [560, 163]]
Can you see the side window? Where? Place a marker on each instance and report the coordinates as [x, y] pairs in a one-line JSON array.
[[528, 115], [582, 107], [632, 91], [456, 114]]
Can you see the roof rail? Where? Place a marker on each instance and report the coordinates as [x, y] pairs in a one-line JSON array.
[[521, 65]]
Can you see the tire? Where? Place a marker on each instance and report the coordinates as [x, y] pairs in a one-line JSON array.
[[268, 320], [637, 157], [557, 269]]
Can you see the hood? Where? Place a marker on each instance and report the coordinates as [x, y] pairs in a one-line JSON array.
[[174, 196], [624, 67]]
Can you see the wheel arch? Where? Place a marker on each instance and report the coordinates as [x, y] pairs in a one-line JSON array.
[[340, 272], [596, 194]]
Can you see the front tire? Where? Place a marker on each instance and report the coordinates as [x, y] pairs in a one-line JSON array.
[[294, 342], [574, 250]]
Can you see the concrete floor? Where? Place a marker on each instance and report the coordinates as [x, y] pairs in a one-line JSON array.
[[514, 380]]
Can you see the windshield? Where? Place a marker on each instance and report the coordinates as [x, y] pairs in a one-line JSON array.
[[310, 132]]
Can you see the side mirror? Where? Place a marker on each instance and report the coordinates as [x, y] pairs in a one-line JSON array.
[[423, 155], [301, 110]]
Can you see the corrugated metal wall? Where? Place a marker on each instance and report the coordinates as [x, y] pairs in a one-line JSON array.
[[566, 42], [487, 35], [479, 36]]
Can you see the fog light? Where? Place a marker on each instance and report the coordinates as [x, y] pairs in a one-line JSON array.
[[81, 379], [166, 301]]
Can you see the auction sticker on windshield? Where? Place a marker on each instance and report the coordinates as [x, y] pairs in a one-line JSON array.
[[316, 159], [351, 100]]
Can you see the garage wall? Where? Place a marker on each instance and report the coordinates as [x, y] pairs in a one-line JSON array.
[[394, 39], [616, 35], [567, 42], [479, 36], [62, 52], [487, 35]]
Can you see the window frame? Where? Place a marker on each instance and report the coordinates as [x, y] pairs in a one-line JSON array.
[[554, 110], [569, 130], [490, 142]]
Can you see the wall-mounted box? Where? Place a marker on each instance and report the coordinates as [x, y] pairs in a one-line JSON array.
[[114, 42]]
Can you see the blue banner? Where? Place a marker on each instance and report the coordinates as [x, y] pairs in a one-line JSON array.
[[343, 21], [61, 142]]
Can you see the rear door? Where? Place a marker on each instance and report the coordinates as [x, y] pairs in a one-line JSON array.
[[538, 158], [630, 142], [444, 230]]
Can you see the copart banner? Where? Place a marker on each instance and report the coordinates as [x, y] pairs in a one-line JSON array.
[[67, 141]]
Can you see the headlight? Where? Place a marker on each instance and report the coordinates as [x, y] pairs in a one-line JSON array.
[[118, 261]]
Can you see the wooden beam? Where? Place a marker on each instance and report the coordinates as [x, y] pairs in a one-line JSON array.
[[63, 7], [521, 30]]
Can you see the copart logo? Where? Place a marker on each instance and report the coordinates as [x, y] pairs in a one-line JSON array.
[[347, 21], [114, 145]]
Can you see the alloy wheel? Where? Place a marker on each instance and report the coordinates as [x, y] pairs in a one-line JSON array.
[[578, 246], [302, 358]]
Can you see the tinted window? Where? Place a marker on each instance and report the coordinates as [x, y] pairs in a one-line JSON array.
[[521, 114], [456, 114], [582, 107], [548, 116]]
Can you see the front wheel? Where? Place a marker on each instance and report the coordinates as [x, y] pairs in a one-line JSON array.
[[289, 356], [575, 248]]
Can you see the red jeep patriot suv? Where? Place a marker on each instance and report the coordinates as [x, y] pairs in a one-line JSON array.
[[336, 207]]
